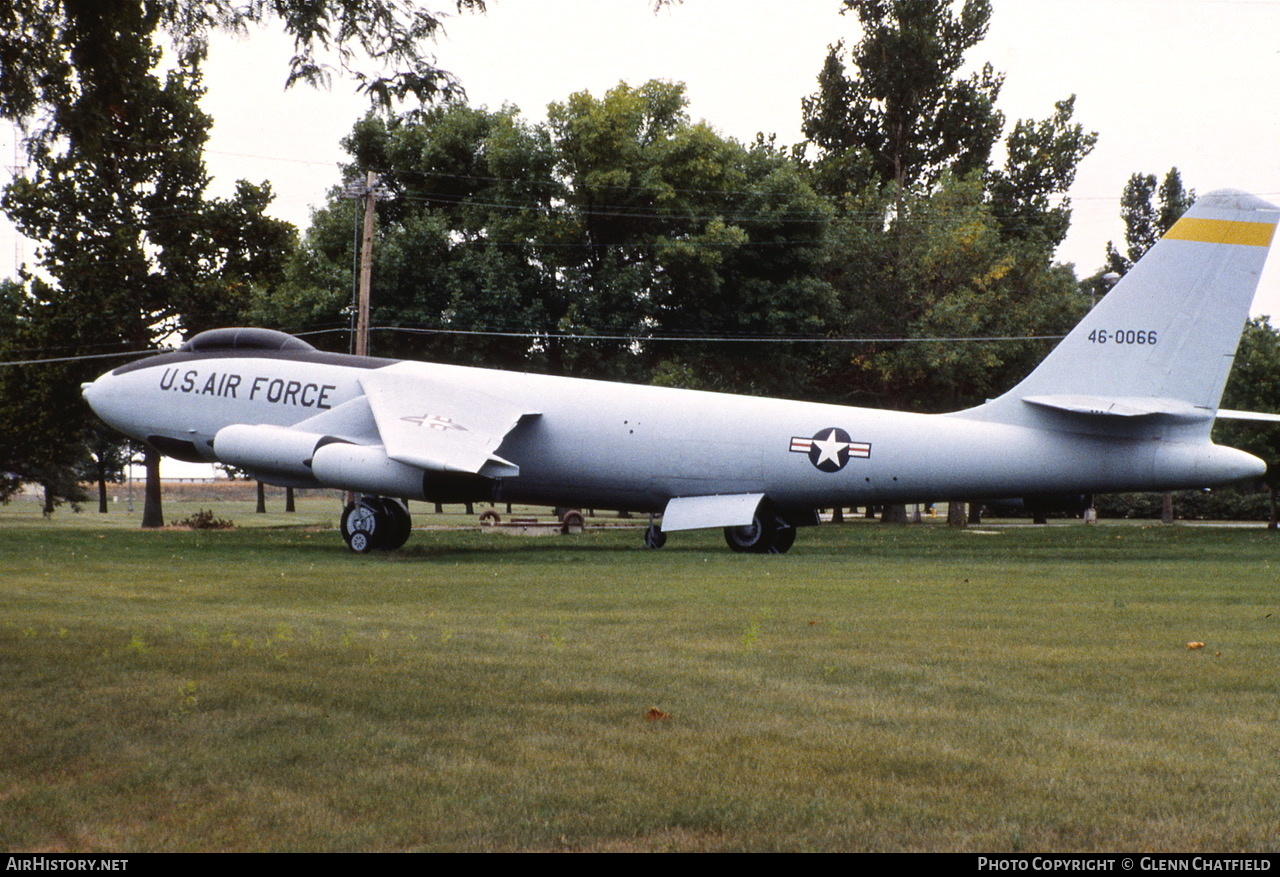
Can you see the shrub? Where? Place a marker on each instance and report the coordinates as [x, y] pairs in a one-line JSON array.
[[206, 520]]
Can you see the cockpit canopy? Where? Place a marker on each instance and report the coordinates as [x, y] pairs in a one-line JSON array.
[[243, 339]]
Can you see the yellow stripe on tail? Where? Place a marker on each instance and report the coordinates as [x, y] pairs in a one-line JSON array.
[[1222, 231]]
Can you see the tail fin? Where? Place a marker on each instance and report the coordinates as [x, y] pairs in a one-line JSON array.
[[1161, 342]]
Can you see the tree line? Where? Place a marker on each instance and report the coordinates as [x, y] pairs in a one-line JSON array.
[[618, 239]]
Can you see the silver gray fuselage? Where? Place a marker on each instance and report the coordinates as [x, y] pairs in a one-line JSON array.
[[622, 446]]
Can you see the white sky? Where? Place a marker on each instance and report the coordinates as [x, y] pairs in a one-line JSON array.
[[1191, 83]]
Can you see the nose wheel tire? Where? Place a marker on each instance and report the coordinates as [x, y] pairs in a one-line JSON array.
[[360, 526], [360, 543]]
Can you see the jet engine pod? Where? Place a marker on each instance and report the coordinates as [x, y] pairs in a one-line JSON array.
[[269, 450], [367, 469]]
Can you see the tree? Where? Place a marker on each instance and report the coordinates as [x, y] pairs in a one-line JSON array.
[[118, 199], [1145, 221], [123, 226], [108, 459], [683, 232], [1254, 385], [467, 242], [946, 271], [40, 437], [620, 221], [906, 117], [58, 57], [930, 239], [1040, 165]]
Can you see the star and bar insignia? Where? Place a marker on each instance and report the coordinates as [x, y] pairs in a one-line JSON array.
[[830, 449], [435, 421]]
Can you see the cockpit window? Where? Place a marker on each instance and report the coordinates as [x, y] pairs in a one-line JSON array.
[[243, 339]]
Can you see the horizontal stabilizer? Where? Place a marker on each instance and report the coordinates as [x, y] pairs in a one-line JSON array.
[[697, 512], [1125, 406], [1232, 414]]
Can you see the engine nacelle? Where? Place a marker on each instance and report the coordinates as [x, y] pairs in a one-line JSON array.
[[273, 452], [365, 469], [280, 455], [368, 469]]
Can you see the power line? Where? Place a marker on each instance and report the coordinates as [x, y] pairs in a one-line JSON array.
[[727, 339], [86, 356], [587, 336]]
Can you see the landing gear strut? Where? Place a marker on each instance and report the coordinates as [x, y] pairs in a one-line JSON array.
[[653, 536], [375, 522]]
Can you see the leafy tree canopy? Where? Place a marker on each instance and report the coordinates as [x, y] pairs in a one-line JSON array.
[[1148, 213], [947, 272], [1254, 385], [617, 222], [135, 249], [64, 64], [932, 241], [904, 115]]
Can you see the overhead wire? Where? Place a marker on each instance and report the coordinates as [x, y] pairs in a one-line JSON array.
[[589, 336]]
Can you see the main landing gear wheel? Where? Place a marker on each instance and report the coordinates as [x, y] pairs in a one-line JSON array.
[[766, 534], [400, 523], [375, 522]]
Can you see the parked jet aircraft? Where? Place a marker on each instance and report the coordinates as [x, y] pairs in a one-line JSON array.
[[1125, 402]]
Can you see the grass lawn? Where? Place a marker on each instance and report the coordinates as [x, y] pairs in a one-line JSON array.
[[878, 688]]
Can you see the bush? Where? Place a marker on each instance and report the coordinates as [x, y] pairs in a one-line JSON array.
[[206, 520]]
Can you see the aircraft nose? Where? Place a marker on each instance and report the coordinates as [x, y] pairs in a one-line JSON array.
[[92, 390], [103, 397]]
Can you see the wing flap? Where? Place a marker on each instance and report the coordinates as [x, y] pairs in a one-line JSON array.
[[436, 425]]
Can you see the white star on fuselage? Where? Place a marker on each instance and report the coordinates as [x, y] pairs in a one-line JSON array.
[[830, 448]]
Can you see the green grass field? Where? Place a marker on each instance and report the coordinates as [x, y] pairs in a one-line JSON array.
[[879, 688]]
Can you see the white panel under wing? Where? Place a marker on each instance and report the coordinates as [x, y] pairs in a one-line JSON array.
[[437, 425], [697, 512]]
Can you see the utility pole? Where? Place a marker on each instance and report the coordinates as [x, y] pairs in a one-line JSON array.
[[370, 192]]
